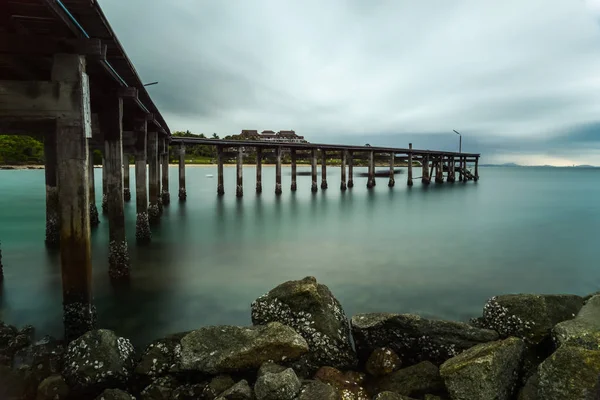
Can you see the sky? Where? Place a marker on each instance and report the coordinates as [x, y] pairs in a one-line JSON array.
[[520, 79]]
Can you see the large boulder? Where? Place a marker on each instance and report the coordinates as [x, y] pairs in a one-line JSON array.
[[12, 340], [44, 358], [529, 316], [225, 349], [284, 385], [570, 373], [160, 389], [415, 339], [415, 381], [53, 388], [583, 330], [530, 390], [159, 357], [310, 308], [98, 360], [239, 391], [486, 371]]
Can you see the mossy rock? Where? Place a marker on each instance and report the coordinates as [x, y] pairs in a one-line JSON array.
[[414, 381], [583, 330]]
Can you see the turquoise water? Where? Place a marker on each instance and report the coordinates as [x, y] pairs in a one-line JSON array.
[[439, 251]]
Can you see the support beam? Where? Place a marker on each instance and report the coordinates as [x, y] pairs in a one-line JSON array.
[[313, 171], [153, 178], [343, 155], [409, 180], [476, 169], [239, 169], [350, 170], [112, 127], [278, 171], [451, 176], [439, 176], [47, 45], [294, 185], [392, 181], [165, 195], [323, 169], [126, 185], [143, 234], [259, 170], [52, 223], [73, 200], [425, 175], [220, 188], [460, 170], [371, 175], [94, 218], [182, 189]]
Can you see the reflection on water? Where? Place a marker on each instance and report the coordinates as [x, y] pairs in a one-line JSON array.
[[438, 251]]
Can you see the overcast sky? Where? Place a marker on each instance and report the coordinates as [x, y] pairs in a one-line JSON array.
[[519, 78]]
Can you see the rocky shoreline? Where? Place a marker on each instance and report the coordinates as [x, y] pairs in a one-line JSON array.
[[302, 346]]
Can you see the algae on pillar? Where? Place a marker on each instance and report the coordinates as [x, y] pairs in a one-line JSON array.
[[313, 171], [343, 178], [371, 175], [143, 234], [239, 188], [52, 220], [94, 218], [153, 178], [165, 196], [350, 170], [392, 181], [409, 180], [258, 170], [278, 171], [323, 169], [126, 190], [425, 175], [220, 188], [294, 186], [182, 190]]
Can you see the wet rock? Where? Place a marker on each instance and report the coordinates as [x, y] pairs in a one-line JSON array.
[[529, 316], [270, 367], [97, 360], [16, 384], [415, 339], [486, 371], [43, 358], [224, 349], [414, 381], [383, 361], [348, 384], [217, 385], [239, 391], [530, 390], [583, 330], [312, 310], [159, 357], [391, 396], [318, 390], [570, 373], [11, 341], [189, 392], [160, 389], [432, 397], [115, 394], [277, 386], [53, 388]]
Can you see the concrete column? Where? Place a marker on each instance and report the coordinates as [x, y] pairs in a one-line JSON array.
[[165, 195], [343, 155], [371, 177], [112, 127], [425, 179], [104, 203], [350, 170], [323, 169], [460, 170], [439, 177], [258, 170], [239, 188], [392, 181], [278, 171], [450, 169], [476, 169], [153, 179], [182, 190], [73, 200], [220, 188], [143, 234], [126, 190], [294, 186], [313, 171], [94, 218], [409, 180], [464, 167], [52, 224]]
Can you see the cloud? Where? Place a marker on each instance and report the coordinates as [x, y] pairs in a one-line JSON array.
[[508, 74]]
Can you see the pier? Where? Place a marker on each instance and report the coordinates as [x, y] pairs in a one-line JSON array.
[[64, 77]]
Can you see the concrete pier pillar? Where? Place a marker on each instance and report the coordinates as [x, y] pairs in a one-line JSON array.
[[343, 155], [258, 170], [182, 190], [350, 170], [278, 171], [371, 175], [294, 186], [476, 169], [439, 176], [73, 200], [126, 190], [409, 180], [52, 223], [165, 196], [463, 162], [392, 181], [313, 171], [323, 169], [451, 177], [220, 188], [112, 127], [153, 179], [94, 218], [143, 234], [425, 179], [104, 204], [460, 170], [239, 169]]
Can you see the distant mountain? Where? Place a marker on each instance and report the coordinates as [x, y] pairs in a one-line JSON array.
[[536, 166], [501, 165]]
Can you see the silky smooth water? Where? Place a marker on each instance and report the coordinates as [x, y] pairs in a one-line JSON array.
[[439, 251]]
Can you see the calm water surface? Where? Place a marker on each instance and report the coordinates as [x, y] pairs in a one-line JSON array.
[[439, 251]]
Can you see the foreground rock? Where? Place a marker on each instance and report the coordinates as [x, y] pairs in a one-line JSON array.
[[529, 316], [97, 360], [53, 388], [115, 394], [224, 349], [584, 329], [311, 309], [348, 384], [277, 386], [239, 391], [159, 357], [486, 371], [414, 381], [570, 373], [383, 361], [16, 384], [319, 390], [390, 396], [415, 339], [43, 358]]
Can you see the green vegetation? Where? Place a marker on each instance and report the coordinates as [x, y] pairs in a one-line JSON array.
[[20, 150]]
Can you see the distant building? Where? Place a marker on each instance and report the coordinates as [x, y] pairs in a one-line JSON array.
[[249, 134], [271, 136]]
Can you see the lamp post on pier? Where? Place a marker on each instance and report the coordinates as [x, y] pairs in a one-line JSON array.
[[459, 141]]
